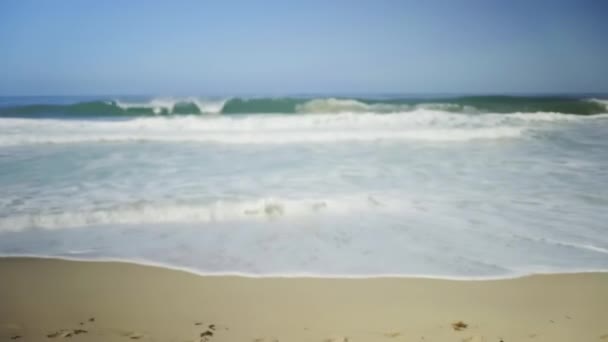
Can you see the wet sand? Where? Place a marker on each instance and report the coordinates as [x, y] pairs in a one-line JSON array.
[[57, 300]]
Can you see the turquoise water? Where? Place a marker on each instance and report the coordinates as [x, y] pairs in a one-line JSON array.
[[359, 186]]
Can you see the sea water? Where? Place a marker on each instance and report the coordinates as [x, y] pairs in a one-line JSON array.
[[467, 187]]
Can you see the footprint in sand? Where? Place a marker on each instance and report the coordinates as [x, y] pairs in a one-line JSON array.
[[13, 328], [90, 320], [337, 339], [604, 337], [459, 326], [133, 335], [64, 333], [206, 335]]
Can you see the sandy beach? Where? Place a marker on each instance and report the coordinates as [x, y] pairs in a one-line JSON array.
[[43, 299]]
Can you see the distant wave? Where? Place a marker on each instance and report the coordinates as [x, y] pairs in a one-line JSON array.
[[471, 105], [289, 105], [162, 106], [154, 107]]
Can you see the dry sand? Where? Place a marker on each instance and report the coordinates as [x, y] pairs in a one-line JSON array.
[[54, 300]]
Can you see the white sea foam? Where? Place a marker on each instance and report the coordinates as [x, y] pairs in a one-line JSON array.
[[419, 125], [167, 105], [510, 274], [437, 135], [333, 105], [262, 209], [157, 105], [527, 196]]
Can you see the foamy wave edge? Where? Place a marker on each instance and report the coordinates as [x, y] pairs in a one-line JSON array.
[[514, 274], [251, 210]]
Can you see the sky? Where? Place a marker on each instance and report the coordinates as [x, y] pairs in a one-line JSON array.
[[91, 47]]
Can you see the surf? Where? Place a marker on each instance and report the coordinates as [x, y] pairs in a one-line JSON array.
[[306, 105], [420, 125]]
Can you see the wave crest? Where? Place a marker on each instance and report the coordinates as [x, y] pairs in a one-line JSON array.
[[167, 106], [289, 105], [421, 125]]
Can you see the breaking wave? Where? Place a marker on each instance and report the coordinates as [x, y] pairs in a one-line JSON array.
[[420, 125], [290, 105]]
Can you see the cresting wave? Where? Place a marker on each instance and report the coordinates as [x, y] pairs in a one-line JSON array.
[[289, 105], [420, 125]]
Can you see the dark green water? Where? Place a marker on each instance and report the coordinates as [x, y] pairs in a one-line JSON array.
[[290, 105]]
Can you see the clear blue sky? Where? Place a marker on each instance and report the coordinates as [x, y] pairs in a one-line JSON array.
[[313, 46]]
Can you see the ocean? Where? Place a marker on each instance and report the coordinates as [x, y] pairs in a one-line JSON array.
[[469, 187]]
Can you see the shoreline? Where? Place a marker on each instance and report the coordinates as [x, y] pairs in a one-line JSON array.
[[51, 299], [193, 271]]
